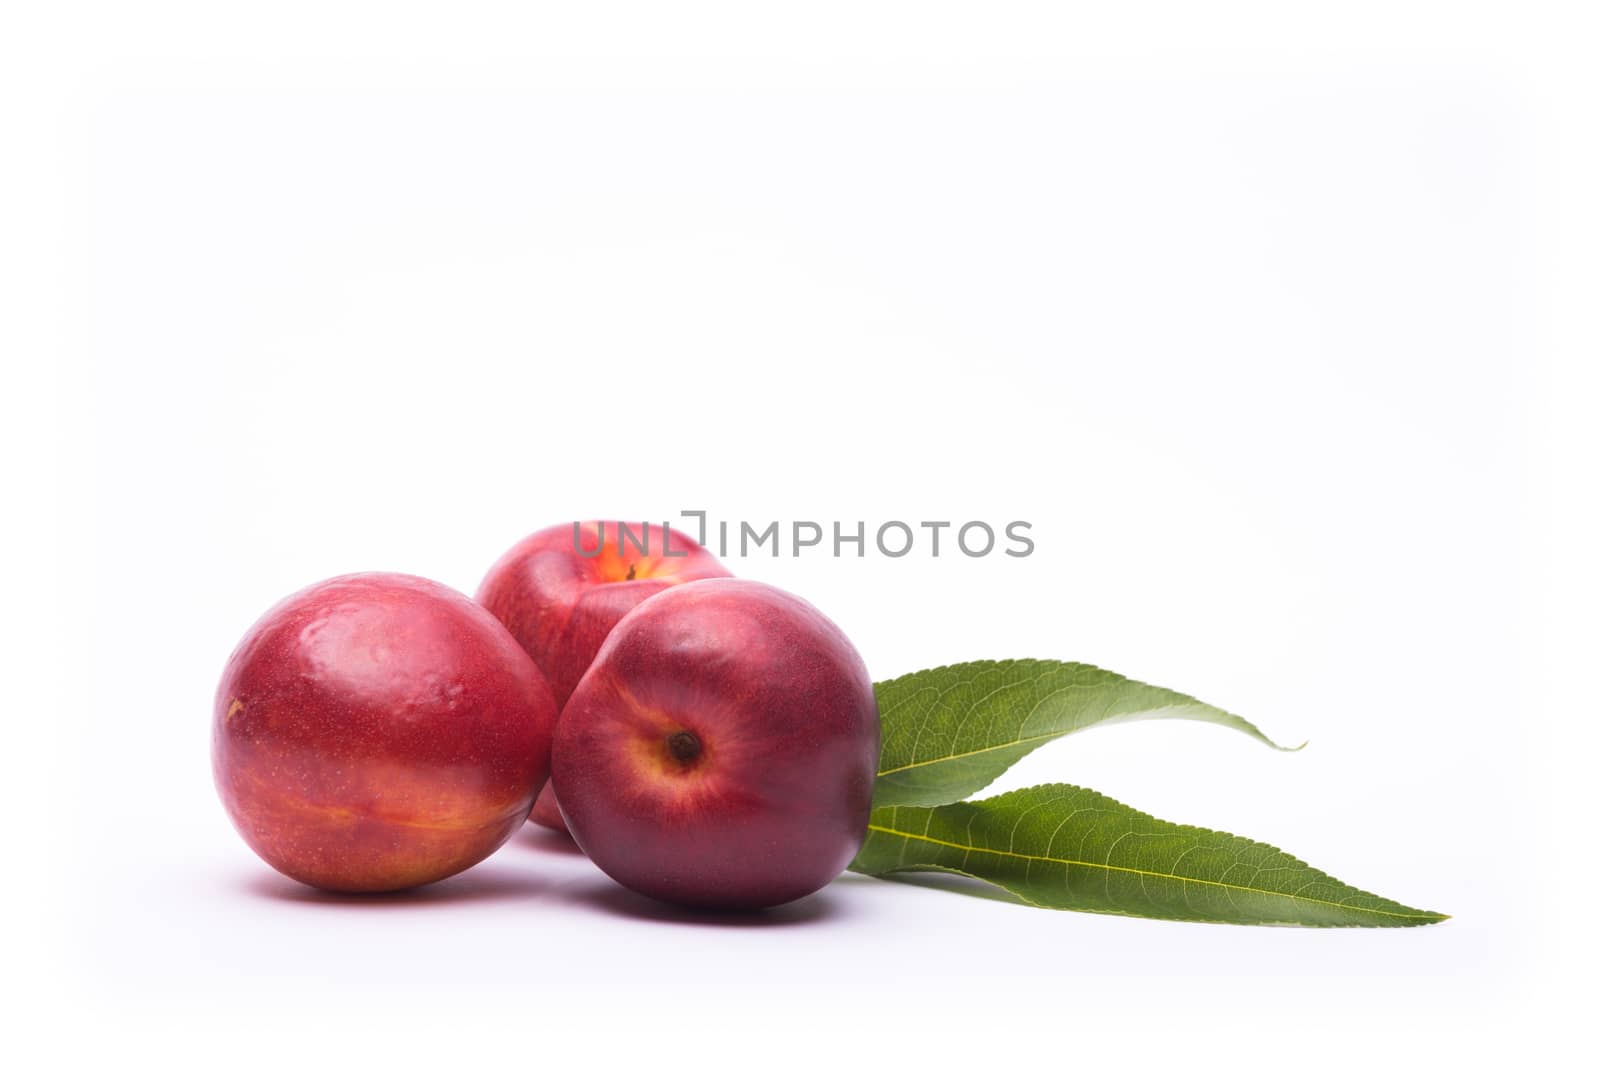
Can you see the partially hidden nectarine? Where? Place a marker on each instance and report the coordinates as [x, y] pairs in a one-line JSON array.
[[561, 590]]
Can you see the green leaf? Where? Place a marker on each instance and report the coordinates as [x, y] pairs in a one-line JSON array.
[[1065, 847], [950, 731]]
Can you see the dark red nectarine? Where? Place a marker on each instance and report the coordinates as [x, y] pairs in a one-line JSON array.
[[561, 590], [720, 751], [377, 732]]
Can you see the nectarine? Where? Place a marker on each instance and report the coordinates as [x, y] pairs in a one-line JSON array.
[[720, 751], [561, 590], [377, 732]]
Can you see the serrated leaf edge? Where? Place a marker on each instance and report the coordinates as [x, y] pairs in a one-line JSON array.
[[1041, 739], [1419, 915], [1026, 900]]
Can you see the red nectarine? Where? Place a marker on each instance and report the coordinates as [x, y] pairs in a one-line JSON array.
[[377, 732], [720, 751], [561, 590]]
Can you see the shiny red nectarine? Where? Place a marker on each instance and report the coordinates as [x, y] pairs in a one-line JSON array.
[[377, 732], [720, 751], [561, 590]]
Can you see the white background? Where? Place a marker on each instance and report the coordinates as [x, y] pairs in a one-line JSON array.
[[1272, 325]]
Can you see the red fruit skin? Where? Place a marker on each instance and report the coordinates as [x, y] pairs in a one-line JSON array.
[[377, 732], [547, 811], [781, 708], [560, 604]]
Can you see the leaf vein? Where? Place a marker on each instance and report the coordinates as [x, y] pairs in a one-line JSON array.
[[1113, 868]]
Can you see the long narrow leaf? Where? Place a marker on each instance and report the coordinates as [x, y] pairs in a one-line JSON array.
[[950, 731], [1065, 847]]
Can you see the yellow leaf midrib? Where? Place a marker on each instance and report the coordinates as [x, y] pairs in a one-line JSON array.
[[1052, 735], [1153, 712], [1156, 875]]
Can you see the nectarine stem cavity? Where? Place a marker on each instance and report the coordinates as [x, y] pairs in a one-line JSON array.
[[684, 747]]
